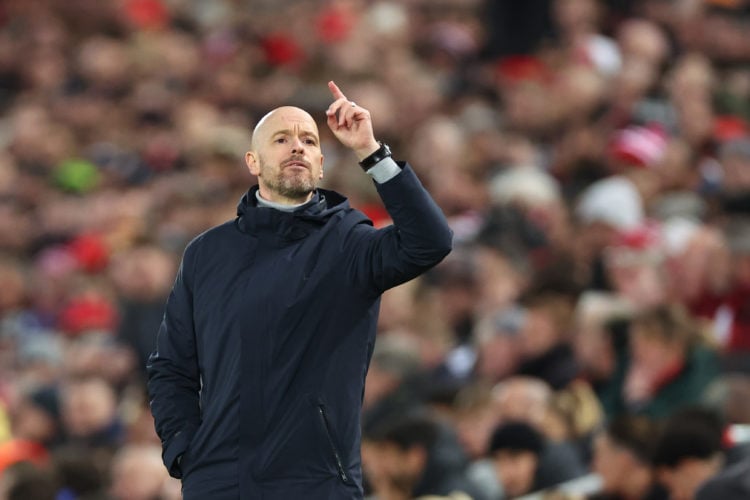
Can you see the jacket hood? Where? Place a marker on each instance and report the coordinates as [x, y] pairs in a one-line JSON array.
[[289, 225], [327, 201]]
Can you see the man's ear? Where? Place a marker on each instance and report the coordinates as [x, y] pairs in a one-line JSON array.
[[253, 165], [321, 166]]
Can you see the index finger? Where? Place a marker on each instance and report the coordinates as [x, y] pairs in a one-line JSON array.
[[336, 91]]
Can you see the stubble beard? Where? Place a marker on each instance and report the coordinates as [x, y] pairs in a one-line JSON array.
[[290, 183]]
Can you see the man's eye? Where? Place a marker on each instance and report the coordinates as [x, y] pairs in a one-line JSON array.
[[310, 141], [281, 140]]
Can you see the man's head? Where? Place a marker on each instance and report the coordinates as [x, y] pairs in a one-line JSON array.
[[394, 359], [660, 336], [497, 339], [399, 453], [523, 399], [88, 406], [689, 451], [138, 473], [601, 322], [515, 448], [285, 155], [37, 417], [623, 450]]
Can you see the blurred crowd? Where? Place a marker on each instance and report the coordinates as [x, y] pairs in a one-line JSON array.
[[588, 338]]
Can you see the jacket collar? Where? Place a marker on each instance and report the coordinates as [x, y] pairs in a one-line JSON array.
[[255, 219]]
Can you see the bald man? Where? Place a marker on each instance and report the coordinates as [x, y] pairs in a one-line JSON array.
[[256, 383]]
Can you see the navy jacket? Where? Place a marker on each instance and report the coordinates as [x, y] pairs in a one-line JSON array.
[[259, 371]]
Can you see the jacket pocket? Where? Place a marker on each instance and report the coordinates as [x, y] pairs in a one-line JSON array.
[[334, 449]]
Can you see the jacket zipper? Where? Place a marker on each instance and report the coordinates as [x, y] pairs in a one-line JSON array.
[[336, 455]]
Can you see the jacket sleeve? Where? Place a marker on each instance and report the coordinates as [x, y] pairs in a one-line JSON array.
[[418, 239], [173, 374]]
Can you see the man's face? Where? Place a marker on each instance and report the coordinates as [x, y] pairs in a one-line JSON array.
[[610, 462], [650, 351], [392, 470], [475, 428], [286, 155], [684, 479], [516, 470]]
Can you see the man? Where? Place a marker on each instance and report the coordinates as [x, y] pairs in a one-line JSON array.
[[671, 364], [416, 456], [689, 451], [526, 461], [256, 384], [622, 458]]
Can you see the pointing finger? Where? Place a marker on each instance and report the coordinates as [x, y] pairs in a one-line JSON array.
[[336, 91]]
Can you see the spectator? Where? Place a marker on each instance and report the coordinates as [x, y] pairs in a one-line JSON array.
[[143, 276], [25, 481], [81, 474], [38, 418], [689, 451], [393, 384], [416, 456], [476, 416], [600, 344], [89, 413], [498, 343], [524, 462], [138, 474], [726, 302], [670, 367], [622, 456], [523, 399], [544, 344]]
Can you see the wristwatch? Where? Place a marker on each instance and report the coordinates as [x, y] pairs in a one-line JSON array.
[[382, 152]]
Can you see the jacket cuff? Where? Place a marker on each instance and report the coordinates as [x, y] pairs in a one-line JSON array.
[[384, 170]]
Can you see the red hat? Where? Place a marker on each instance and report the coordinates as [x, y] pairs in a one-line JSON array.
[[640, 244], [147, 13], [521, 68], [729, 127], [88, 312], [643, 237], [90, 252], [334, 24], [640, 146], [282, 50]]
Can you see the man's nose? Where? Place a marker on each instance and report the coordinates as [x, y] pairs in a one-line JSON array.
[[297, 145]]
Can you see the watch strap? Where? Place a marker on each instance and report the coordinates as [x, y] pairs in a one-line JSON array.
[[376, 157]]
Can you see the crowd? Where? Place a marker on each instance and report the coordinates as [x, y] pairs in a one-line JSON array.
[[588, 337]]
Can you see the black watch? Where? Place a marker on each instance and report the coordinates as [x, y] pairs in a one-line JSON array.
[[382, 152]]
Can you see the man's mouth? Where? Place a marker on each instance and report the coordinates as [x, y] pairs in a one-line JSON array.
[[296, 163]]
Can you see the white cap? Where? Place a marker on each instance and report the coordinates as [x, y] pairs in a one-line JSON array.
[[614, 201], [528, 185]]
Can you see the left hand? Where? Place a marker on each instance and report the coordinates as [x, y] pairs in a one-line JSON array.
[[351, 124]]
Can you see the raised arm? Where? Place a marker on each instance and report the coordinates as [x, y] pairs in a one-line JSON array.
[[420, 236]]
